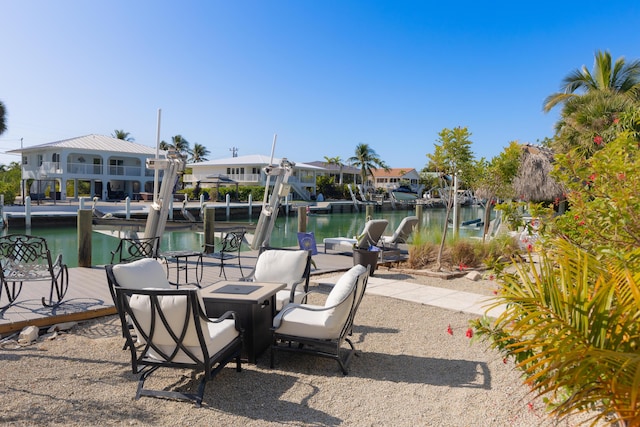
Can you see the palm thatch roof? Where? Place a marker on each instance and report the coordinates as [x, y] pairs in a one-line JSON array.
[[534, 182]]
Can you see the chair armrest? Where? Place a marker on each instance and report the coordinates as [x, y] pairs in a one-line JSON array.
[[226, 315]]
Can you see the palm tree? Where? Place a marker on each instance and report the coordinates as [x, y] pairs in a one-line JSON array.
[[620, 77], [199, 153], [367, 160], [121, 134], [178, 143], [335, 161], [3, 121]]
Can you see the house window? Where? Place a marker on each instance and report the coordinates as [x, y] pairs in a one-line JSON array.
[[25, 160], [39, 159], [55, 158]]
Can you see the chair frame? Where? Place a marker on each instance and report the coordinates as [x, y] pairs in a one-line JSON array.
[[131, 249], [304, 280], [328, 348], [141, 364], [26, 258], [231, 242]]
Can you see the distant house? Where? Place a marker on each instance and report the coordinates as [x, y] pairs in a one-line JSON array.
[[114, 168], [349, 173], [248, 170], [392, 179]]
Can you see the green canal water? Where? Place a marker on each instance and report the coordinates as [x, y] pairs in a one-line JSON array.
[[64, 240]]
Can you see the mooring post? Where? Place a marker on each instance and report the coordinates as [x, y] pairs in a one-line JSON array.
[[209, 225], [419, 215], [369, 211], [84, 237], [302, 219]]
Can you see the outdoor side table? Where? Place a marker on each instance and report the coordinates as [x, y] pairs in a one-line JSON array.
[[180, 260], [253, 302]]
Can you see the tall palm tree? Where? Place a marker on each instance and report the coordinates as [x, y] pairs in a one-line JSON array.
[[178, 143], [620, 77], [3, 120], [337, 161], [367, 160], [121, 134], [199, 153]]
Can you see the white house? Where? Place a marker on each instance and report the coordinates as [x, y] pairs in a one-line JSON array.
[[113, 167], [248, 170], [393, 178]]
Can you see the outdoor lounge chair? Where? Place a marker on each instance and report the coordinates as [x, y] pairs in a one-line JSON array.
[[401, 234], [284, 266], [370, 236], [173, 331], [321, 329], [25, 258]]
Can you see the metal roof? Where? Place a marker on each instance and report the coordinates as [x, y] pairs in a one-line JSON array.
[[252, 159], [92, 143]]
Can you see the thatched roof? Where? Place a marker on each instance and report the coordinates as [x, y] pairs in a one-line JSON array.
[[534, 182]]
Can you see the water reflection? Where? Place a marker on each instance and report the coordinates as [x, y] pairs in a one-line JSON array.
[[65, 240]]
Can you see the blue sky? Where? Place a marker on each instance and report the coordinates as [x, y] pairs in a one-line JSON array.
[[322, 75]]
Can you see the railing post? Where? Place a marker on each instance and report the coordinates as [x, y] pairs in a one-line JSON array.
[[84, 237], [419, 215]]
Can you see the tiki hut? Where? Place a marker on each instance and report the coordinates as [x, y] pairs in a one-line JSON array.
[[534, 182]]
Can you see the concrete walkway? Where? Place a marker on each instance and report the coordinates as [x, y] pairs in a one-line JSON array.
[[449, 299]]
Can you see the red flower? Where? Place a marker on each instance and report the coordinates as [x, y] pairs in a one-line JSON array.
[[495, 292], [529, 247], [449, 330], [592, 177], [616, 121], [469, 333], [491, 277], [621, 176], [504, 360], [597, 139], [530, 405]]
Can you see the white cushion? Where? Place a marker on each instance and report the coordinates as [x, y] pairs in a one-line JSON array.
[[217, 335], [299, 322], [140, 274], [324, 322], [280, 266], [282, 298]]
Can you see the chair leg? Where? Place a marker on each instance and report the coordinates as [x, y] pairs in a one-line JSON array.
[[222, 272], [12, 293], [60, 284], [240, 265]]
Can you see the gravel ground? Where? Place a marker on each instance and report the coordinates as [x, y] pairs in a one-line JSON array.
[[410, 372]]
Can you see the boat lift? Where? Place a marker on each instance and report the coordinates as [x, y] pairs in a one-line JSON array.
[[159, 209], [269, 212]]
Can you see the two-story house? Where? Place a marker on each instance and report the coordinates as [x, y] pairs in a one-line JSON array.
[[395, 177], [248, 170], [113, 168]]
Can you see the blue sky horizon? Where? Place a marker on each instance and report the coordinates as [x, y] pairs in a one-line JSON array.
[[323, 76]]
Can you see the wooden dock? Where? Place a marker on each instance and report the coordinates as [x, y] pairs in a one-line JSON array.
[[88, 294]]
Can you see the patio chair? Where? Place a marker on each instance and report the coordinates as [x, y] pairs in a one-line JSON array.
[[290, 266], [25, 258], [320, 330], [230, 247], [370, 236], [140, 274], [173, 331], [131, 249], [401, 234]]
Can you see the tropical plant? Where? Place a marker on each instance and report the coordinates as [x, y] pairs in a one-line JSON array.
[[178, 143], [199, 153], [620, 77], [603, 195], [3, 118], [337, 161], [121, 134], [572, 324], [367, 160]]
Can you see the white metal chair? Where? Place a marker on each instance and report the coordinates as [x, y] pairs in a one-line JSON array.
[[321, 329], [288, 266], [173, 331], [401, 233]]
